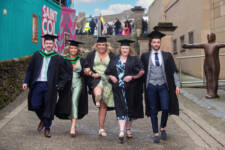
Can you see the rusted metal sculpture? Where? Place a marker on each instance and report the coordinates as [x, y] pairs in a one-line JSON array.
[[211, 63]]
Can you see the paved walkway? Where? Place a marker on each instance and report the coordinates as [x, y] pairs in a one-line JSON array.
[[187, 132]]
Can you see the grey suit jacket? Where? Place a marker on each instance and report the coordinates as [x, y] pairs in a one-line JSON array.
[[176, 78]]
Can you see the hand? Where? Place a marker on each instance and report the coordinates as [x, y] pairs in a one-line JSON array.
[[87, 70], [74, 66], [178, 90], [24, 86], [113, 78], [96, 75], [127, 78]]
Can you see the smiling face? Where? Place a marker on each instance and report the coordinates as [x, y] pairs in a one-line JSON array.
[[73, 50], [155, 44], [101, 47], [125, 50], [49, 44]]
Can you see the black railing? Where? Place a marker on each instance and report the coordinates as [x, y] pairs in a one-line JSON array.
[[60, 2]]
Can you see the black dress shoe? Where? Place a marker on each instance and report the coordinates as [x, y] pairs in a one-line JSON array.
[[40, 126], [47, 133]]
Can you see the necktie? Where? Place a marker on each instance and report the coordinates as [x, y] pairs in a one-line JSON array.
[[157, 59]]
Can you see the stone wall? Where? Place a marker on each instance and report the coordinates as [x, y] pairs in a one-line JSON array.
[[199, 17]]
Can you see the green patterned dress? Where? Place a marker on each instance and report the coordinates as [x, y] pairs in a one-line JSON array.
[[76, 90], [100, 67]]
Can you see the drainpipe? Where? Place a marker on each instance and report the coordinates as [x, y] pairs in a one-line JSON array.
[[67, 3]]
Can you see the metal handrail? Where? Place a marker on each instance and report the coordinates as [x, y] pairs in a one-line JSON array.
[[189, 57], [196, 56]]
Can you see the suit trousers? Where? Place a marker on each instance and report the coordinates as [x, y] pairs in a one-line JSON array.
[[39, 100], [158, 94]]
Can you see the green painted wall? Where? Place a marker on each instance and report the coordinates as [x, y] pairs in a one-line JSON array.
[[16, 26]]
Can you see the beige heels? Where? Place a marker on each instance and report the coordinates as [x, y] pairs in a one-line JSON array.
[[121, 136], [72, 132], [102, 132]]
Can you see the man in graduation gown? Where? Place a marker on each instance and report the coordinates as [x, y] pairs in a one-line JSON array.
[[45, 75], [161, 85]]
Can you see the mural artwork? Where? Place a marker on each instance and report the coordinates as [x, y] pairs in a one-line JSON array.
[[49, 17], [66, 28]]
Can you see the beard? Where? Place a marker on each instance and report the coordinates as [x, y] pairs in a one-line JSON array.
[[155, 47]]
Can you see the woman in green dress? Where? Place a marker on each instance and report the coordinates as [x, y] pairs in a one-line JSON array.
[[95, 66], [73, 100]]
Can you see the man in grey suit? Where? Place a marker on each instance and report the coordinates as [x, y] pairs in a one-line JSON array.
[[161, 85]]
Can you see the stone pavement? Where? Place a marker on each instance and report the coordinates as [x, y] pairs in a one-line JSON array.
[[214, 106], [188, 132]]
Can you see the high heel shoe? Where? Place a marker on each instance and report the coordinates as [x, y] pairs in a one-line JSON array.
[[129, 133], [72, 132], [102, 132], [121, 136]]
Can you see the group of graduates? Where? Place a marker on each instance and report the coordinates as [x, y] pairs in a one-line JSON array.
[[59, 85]]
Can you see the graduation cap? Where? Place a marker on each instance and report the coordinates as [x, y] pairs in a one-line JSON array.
[[49, 37], [101, 39], [125, 42], [156, 35], [75, 43]]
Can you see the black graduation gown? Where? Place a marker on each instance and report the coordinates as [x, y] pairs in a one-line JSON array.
[[56, 75], [170, 68], [93, 82], [64, 104], [133, 89]]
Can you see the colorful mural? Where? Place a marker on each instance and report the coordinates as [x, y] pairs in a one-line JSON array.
[[23, 23], [67, 27], [49, 18], [17, 26]]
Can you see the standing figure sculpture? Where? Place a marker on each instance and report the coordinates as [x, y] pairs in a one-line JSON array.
[[211, 63]]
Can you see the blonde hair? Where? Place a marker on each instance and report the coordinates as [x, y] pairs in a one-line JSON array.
[[131, 51], [108, 47]]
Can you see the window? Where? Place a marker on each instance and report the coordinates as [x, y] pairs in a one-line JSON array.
[[191, 37], [181, 43], [62, 2], [34, 28], [175, 46]]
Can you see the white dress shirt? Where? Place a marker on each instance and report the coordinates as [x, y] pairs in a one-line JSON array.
[[159, 56], [44, 70]]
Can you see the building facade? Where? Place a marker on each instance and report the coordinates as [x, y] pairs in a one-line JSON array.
[[194, 20], [23, 22]]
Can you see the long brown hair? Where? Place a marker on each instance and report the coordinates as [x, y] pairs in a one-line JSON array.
[[66, 51]]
